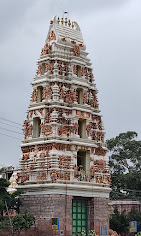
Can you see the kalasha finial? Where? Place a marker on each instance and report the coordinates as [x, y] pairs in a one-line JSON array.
[[69, 23], [58, 20], [72, 25], [62, 20], [66, 21]]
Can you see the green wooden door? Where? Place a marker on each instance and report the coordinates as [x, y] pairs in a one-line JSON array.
[[79, 217]]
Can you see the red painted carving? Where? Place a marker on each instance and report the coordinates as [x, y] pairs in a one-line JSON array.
[[88, 128], [73, 42], [46, 129], [105, 179], [41, 111], [27, 129], [80, 114], [42, 155], [85, 98], [34, 95], [82, 71], [46, 67], [75, 170], [75, 128], [100, 151], [31, 113], [60, 68], [63, 39], [46, 49], [35, 112], [61, 92], [50, 92], [39, 70], [41, 176], [52, 67], [66, 69], [64, 161], [75, 69], [44, 93], [22, 177], [76, 50], [63, 130], [52, 36], [25, 157]]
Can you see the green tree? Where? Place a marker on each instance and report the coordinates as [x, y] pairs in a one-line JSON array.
[[125, 162], [119, 222], [11, 200], [22, 221]]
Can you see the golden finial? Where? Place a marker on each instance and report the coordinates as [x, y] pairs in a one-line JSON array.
[[58, 20], [69, 23], [62, 20], [72, 25], [66, 21]]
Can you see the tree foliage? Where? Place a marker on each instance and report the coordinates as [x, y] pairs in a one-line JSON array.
[[22, 221], [11, 200], [125, 163], [120, 222]]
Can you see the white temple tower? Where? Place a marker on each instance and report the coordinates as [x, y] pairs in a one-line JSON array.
[[63, 168]]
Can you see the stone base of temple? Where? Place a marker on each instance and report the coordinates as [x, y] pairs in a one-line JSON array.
[[67, 209]]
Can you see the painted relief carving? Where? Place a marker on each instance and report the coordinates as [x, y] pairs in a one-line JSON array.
[[39, 70], [66, 68], [46, 49], [64, 162], [76, 50], [63, 39], [27, 129], [41, 176], [62, 66], [50, 92], [75, 95], [88, 128], [25, 157], [22, 177], [51, 68], [54, 175], [85, 98], [42, 155], [40, 111], [100, 151], [61, 92], [34, 95], [63, 130], [74, 69], [44, 95], [52, 36], [80, 114], [105, 179], [82, 71], [46, 129]]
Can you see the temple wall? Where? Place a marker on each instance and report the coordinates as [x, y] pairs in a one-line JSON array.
[[44, 207]]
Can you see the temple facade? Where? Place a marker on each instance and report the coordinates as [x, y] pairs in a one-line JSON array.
[[63, 167]]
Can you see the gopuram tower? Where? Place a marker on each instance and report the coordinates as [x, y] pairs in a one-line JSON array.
[[63, 167]]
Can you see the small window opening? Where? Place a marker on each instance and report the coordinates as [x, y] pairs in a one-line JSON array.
[[39, 94], [78, 71], [36, 127], [82, 128], [43, 69], [83, 162], [80, 96]]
